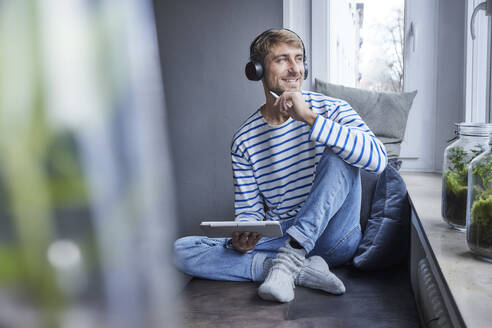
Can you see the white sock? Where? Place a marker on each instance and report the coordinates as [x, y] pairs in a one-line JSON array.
[[315, 274], [285, 267]]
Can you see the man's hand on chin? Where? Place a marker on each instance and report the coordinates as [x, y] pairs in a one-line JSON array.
[[292, 103], [244, 242]]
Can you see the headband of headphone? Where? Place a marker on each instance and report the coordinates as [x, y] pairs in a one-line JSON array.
[[254, 69]]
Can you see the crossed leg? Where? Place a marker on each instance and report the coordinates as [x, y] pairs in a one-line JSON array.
[[327, 225]]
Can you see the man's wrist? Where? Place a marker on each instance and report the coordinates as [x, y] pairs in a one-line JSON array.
[[311, 119]]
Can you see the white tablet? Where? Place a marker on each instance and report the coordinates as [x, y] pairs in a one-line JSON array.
[[226, 228]]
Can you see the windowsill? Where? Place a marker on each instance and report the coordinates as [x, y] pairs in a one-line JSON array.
[[469, 279]]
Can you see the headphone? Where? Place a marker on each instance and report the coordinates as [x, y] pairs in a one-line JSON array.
[[254, 69]]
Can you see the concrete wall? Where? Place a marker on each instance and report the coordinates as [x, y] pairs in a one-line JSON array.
[[204, 46]]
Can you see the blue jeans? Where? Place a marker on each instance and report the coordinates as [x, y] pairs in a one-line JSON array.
[[327, 225]]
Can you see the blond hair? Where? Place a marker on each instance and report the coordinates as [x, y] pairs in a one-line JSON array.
[[264, 42]]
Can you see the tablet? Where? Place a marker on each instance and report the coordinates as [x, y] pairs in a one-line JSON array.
[[226, 228]]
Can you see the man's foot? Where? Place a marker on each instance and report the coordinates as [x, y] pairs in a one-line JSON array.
[[279, 283], [315, 274]]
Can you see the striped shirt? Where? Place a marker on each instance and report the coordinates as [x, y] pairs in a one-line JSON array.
[[274, 166]]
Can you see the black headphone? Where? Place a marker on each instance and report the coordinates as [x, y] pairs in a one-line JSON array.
[[254, 69]]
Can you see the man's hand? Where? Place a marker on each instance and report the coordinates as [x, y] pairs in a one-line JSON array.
[[246, 241], [293, 104]]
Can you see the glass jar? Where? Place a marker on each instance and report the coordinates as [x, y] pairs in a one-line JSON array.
[[473, 139], [479, 205]]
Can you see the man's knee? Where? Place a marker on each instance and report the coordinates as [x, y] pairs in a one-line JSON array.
[[182, 252], [185, 242], [338, 174], [331, 161]]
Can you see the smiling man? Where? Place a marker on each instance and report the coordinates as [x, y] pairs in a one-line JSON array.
[[295, 160]]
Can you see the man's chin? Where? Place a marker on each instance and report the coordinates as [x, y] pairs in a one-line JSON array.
[[289, 89]]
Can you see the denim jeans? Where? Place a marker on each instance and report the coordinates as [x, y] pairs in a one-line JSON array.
[[327, 225]]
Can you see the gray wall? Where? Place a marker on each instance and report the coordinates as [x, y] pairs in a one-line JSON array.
[[204, 46]]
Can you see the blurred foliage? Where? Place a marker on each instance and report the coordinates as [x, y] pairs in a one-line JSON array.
[[66, 183], [39, 168], [11, 271], [48, 127]]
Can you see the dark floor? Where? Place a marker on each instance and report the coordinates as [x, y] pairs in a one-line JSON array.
[[373, 299]]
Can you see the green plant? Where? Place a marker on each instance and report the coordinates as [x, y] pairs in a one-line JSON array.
[[481, 211], [456, 182], [483, 170], [458, 160]]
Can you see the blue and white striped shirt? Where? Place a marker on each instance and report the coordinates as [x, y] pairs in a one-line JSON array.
[[275, 165]]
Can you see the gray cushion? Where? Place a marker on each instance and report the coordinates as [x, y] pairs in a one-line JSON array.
[[386, 235], [385, 113]]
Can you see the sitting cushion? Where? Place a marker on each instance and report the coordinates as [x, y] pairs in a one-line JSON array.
[[385, 113], [368, 182], [386, 235]]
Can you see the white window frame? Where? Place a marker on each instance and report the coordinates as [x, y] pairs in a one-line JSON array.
[[311, 20], [297, 17], [478, 100], [320, 37]]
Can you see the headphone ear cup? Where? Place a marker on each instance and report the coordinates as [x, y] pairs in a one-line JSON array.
[[254, 70], [305, 71]]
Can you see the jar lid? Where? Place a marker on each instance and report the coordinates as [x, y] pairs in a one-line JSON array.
[[474, 129]]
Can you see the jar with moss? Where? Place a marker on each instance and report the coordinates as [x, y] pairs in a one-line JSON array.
[[473, 140], [479, 206]]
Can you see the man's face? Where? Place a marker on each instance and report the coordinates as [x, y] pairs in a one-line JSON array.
[[284, 68]]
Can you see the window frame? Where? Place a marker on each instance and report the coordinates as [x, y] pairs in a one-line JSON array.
[[478, 63]]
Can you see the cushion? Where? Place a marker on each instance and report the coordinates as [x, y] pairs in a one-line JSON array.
[[385, 241], [368, 182], [385, 113]]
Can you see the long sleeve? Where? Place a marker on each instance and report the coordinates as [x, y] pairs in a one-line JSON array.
[[350, 138], [248, 203]]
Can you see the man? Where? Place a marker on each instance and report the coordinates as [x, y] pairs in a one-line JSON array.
[[295, 160]]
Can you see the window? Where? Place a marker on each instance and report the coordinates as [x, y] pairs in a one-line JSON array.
[[381, 50], [358, 43]]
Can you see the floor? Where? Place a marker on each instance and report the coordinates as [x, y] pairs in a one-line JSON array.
[[373, 299]]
